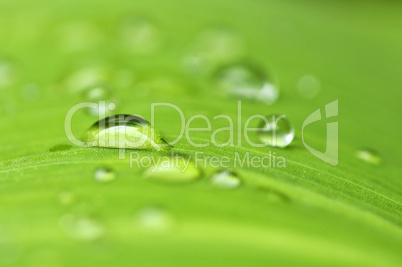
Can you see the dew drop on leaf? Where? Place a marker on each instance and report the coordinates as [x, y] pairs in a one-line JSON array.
[[125, 131], [276, 131], [212, 46], [60, 148], [226, 179], [369, 156], [81, 228], [172, 169], [246, 81], [154, 219], [276, 197], [104, 175], [85, 76], [100, 92], [308, 86], [140, 35]]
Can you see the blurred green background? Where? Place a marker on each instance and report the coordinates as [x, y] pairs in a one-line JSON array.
[[54, 213]]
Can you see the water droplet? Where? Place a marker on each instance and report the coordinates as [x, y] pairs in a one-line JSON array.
[[140, 35], [7, 73], [66, 197], [276, 131], [246, 81], [104, 175], [274, 196], [81, 228], [308, 86], [60, 148], [369, 156], [96, 72], [97, 93], [154, 219], [84, 77], [125, 131], [172, 169], [226, 179], [212, 46]]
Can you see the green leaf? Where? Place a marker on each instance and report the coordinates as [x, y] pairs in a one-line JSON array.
[[53, 210]]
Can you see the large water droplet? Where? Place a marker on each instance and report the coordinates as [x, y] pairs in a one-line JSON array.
[[246, 81], [125, 131], [370, 156], [308, 86], [140, 35], [81, 228], [172, 169], [226, 179], [276, 131], [104, 175], [154, 219]]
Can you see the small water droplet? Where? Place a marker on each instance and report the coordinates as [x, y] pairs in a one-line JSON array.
[[66, 197], [7, 73], [370, 156], [140, 35], [104, 175], [308, 86], [246, 81], [274, 196], [212, 46], [172, 169], [226, 179], [154, 219], [81, 228], [96, 72], [84, 77], [60, 148], [125, 131], [276, 131], [97, 93]]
